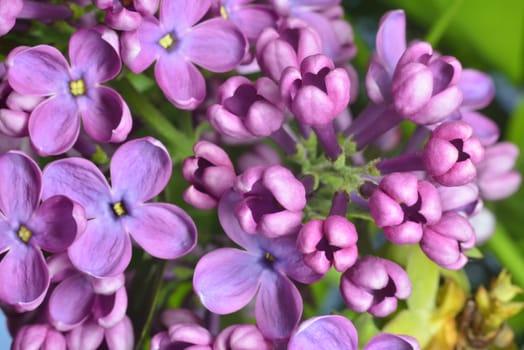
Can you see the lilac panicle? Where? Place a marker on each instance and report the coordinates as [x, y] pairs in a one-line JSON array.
[[126, 15], [140, 170], [402, 205], [75, 92], [210, 173], [38, 336], [241, 337], [374, 285], [26, 227], [226, 279], [271, 201], [176, 41]]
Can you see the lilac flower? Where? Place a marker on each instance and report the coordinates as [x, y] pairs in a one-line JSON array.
[[386, 341], [183, 336], [271, 201], [328, 242], [90, 336], [126, 14], [175, 41], [247, 110], [226, 279], [241, 337], [451, 154], [140, 169], [374, 285], [26, 226], [38, 336], [76, 93], [402, 205], [210, 173]]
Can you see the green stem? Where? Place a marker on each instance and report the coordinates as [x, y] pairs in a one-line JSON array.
[[442, 23], [508, 254]]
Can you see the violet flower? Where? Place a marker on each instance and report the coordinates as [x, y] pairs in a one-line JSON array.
[[271, 201], [226, 279], [38, 336], [175, 41], [241, 337], [402, 205], [26, 227], [374, 285], [126, 14], [76, 93], [140, 169]]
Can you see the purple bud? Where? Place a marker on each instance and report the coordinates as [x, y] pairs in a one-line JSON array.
[[183, 336], [374, 285], [446, 241], [242, 337], [210, 173], [38, 336], [328, 242], [325, 333], [451, 154], [402, 205]]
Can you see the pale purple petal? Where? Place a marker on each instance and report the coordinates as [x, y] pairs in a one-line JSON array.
[[9, 10], [164, 230], [54, 125], [253, 19], [121, 335], [216, 45], [41, 70], [7, 236], [140, 169], [182, 14], [87, 336], [325, 333], [20, 187], [103, 250], [387, 341], [109, 310], [81, 181], [138, 53], [278, 306], [226, 279], [477, 88], [25, 278], [391, 38]]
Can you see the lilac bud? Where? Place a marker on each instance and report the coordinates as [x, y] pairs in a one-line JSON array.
[[446, 241], [374, 285], [272, 203], [184, 336], [451, 154], [402, 205], [126, 15], [38, 336], [325, 333], [210, 173], [242, 337], [318, 92], [328, 242], [247, 110], [387, 341]]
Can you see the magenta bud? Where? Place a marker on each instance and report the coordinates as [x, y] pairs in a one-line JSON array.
[[38, 336]]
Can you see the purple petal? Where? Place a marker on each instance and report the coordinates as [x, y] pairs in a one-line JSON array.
[[387, 341], [93, 56], [21, 186], [121, 335], [253, 19], [163, 230], [182, 14], [278, 307], [226, 279], [391, 38], [325, 333], [216, 45], [180, 81], [7, 237], [81, 181], [25, 278], [71, 302], [56, 223], [140, 169], [105, 115], [110, 309], [54, 125], [477, 88], [103, 250], [41, 70], [484, 128], [139, 48], [87, 336], [9, 10]]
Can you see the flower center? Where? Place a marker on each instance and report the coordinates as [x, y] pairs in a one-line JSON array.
[[223, 12], [269, 259], [24, 234], [77, 87], [127, 3], [119, 209], [166, 41]]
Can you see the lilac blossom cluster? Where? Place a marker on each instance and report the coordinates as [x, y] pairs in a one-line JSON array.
[[68, 229]]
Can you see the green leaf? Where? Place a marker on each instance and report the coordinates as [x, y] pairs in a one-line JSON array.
[[474, 253], [424, 276]]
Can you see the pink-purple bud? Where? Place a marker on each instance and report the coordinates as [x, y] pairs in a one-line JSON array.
[[242, 337], [38, 336], [183, 336]]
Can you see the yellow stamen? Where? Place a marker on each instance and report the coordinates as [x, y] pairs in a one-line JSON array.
[[223, 12], [119, 209], [24, 234], [269, 257], [166, 41], [77, 87]]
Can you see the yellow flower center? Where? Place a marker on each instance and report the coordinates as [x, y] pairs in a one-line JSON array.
[[269, 257], [119, 209], [24, 234], [223, 12], [166, 41], [77, 87]]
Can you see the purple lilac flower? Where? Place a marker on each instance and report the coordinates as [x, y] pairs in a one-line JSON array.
[[26, 227], [75, 92], [402, 205], [452, 153], [241, 337], [140, 169], [38, 336], [332, 241], [90, 336], [210, 173], [374, 285], [227, 279], [175, 41], [126, 14], [271, 201]]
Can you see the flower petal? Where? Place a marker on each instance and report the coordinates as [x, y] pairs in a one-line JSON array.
[[140, 169], [182, 14], [163, 230], [391, 38], [87, 336], [226, 279], [325, 333], [121, 335]]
